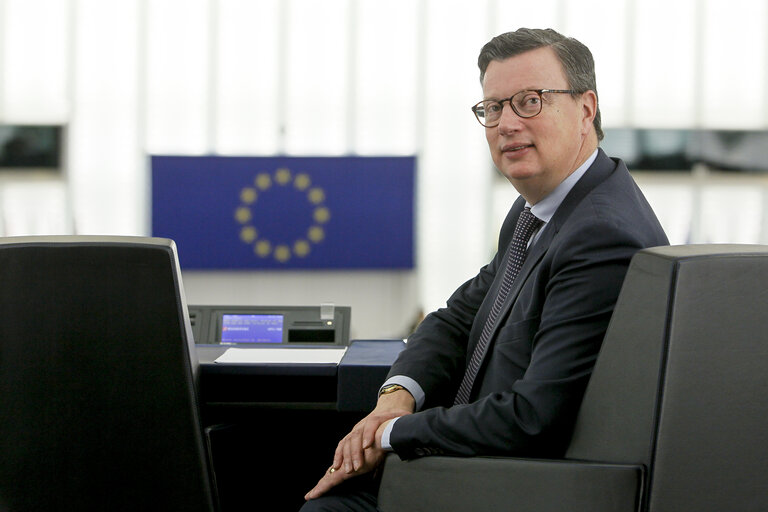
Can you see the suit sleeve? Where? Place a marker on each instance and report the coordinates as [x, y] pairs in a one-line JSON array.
[[436, 352], [435, 356], [580, 279]]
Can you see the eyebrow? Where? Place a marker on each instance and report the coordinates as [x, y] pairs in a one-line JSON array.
[[495, 98]]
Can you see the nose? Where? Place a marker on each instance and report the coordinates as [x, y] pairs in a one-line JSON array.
[[509, 122]]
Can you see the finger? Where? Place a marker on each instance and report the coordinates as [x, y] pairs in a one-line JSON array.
[[356, 449], [369, 432], [329, 480], [378, 435], [338, 455], [334, 477], [347, 455]]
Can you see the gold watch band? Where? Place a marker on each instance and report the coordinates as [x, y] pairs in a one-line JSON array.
[[390, 388]]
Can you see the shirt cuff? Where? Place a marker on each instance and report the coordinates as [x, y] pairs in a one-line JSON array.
[[410, 385], [385, 444]]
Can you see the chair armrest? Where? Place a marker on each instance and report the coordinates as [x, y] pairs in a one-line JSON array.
[[214, 434], [452, 484]]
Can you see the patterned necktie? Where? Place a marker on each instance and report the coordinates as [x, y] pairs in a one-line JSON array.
[[527, 223]]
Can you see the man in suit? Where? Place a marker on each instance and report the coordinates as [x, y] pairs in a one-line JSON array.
[[501, 370]]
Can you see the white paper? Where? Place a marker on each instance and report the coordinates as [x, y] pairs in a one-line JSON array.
[[283, 355]]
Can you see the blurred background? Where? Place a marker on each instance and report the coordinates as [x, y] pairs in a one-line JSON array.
[[90, 89]]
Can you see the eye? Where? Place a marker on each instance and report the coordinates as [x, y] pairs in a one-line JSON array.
[[531, 100], [493, 107], [527, 103]]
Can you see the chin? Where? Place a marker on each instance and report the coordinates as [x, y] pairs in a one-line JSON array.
[[519, 173]]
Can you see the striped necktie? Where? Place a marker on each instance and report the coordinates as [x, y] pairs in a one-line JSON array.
[[527, 223]]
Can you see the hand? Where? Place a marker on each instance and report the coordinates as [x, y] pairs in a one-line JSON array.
[[372, 457], [367, 433], [360, 451]]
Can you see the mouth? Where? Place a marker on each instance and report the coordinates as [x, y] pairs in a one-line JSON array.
[[512, 148]]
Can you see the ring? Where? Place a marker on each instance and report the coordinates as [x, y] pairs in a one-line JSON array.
[[331, 470]]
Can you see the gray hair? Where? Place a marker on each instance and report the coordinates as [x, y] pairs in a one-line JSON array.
[[576, 59]]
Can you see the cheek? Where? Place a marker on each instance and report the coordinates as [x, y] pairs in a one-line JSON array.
[[490, 137]]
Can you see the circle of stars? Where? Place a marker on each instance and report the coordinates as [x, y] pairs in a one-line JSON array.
[[282, 251]]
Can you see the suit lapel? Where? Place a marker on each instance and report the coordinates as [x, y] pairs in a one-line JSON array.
[[600, 169]]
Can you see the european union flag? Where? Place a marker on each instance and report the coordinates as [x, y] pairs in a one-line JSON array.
[[286, 212]]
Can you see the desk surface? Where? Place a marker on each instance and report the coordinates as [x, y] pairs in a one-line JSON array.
[[352, 385], [207, 354]]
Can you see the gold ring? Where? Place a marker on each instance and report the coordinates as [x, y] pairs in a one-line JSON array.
[[331, 470]]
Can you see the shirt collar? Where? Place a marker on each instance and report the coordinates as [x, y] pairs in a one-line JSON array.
[[546, 208]]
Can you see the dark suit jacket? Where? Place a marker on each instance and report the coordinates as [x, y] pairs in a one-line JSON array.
[[527, 394]]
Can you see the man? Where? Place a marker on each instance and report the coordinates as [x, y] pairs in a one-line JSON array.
[[502, 369]]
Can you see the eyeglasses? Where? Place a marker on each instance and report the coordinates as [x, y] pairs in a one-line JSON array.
[[525, 103]]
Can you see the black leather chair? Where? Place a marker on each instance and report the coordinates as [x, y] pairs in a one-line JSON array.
[[98, 400], [675, 417]]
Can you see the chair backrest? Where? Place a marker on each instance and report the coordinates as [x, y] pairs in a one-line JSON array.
[[681, 383], [98, 401]]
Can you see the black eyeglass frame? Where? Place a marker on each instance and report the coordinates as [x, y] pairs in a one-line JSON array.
[[501, 102]]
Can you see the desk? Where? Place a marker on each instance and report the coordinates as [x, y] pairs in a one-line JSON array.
[[283, 421]]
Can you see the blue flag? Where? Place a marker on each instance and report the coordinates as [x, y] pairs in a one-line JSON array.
[[286, 212]]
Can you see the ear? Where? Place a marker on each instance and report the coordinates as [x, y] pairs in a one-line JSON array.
[[589, 110]]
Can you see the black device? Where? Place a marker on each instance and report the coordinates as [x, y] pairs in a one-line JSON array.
[[270, 326], [25, 148]]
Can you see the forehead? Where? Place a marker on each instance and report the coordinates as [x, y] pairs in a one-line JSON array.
[[535, 69]]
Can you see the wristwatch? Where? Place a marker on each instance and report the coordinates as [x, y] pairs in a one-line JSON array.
[[391, 388]]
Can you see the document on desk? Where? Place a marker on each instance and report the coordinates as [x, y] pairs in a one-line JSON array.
[[282, 355]]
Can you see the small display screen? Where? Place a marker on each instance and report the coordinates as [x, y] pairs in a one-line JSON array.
[[28, 147], [252, 329]]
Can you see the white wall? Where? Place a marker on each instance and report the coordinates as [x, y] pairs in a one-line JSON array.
[[307, 77]]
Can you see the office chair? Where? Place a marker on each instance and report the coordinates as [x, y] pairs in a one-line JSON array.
[[98, 400], [674, 417]]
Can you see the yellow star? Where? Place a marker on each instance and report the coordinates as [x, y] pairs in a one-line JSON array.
[[248, 234], [283, 176], [302, 181], [243, 214], [316, 234], [322, 215], [301, 248], [262, 248], [282, 253], [248, 195], [263, 181], [316, 195]]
